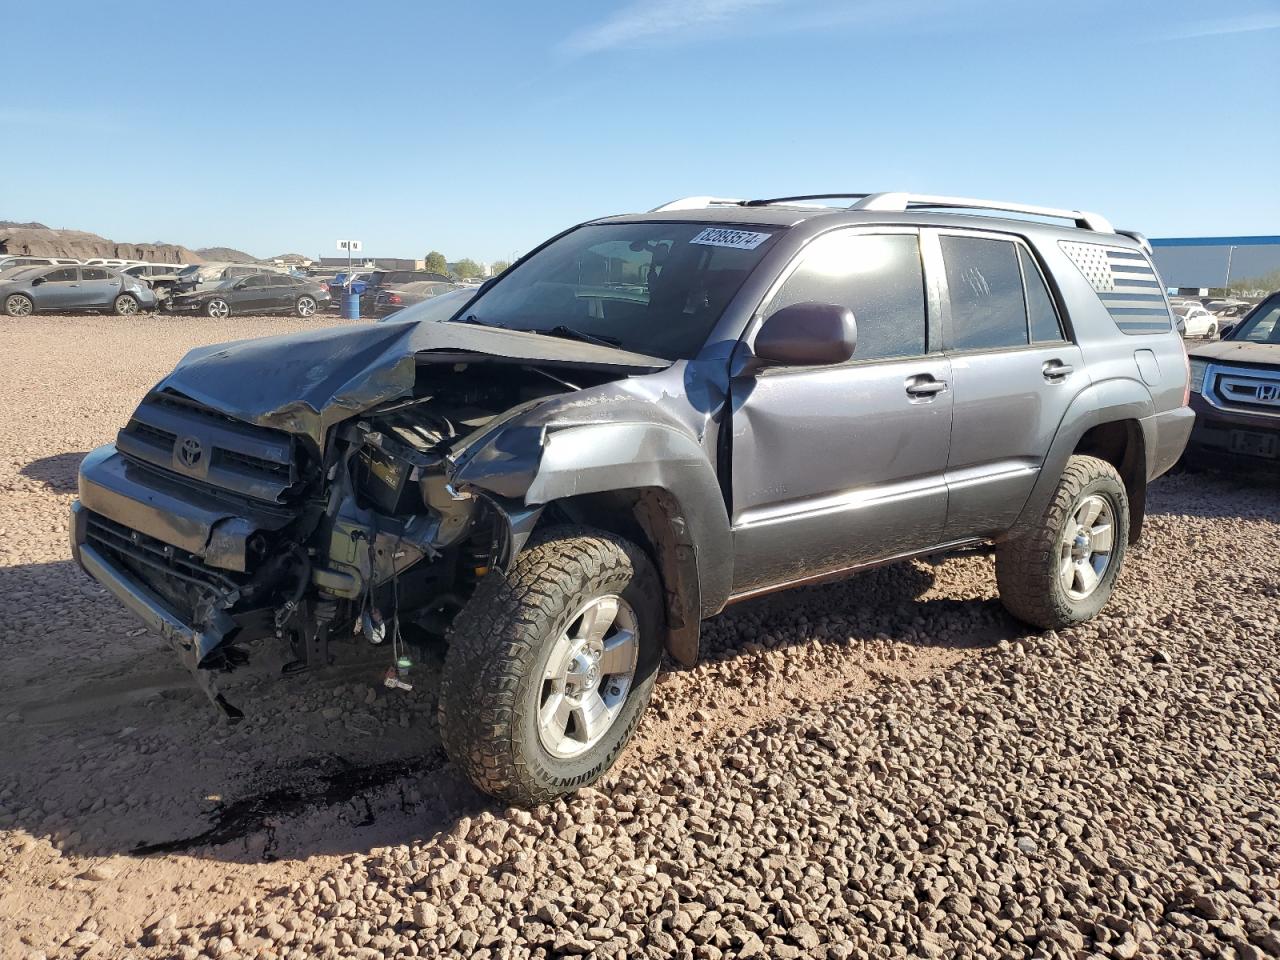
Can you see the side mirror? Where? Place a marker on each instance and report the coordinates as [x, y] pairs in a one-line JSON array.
[[37, 281], [1224, 331], [805, 335]]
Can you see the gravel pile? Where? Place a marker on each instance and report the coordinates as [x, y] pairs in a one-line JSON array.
[[887, 767]]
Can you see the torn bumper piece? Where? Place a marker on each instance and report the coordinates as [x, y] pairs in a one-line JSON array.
[[191, 645]]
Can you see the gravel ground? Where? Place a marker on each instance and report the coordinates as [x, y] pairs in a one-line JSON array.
[[888, 766]]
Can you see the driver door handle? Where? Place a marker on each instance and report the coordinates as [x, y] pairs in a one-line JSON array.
[[924, 387]]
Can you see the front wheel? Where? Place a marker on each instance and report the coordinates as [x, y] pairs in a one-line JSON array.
[[1212, 332], [19, 305], [126, 305], [306, 307], [1064, 570], [550, 667], [218, 308]]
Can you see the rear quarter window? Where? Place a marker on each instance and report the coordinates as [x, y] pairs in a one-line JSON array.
[[1126, 283]]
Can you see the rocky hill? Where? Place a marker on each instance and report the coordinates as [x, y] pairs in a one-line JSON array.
[[38, 240]]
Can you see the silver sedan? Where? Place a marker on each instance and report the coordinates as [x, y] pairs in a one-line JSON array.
[[65, 289]]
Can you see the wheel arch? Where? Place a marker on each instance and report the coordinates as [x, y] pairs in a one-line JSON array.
[[647, 482], [1105, 421]]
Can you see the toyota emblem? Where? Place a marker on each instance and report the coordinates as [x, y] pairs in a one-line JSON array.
[[190, 451]]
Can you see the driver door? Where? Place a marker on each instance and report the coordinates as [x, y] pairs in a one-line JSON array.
[[59, 291], [838, 466]]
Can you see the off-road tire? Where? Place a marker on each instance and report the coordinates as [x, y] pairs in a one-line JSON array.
[[1027, 566], [19, 305], [498, 646], [126, 305]]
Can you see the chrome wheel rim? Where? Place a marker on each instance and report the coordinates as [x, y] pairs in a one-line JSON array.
[[588, 676], [306, 307], [1085, 549], [218, 308], [18, 307], [126, 306]]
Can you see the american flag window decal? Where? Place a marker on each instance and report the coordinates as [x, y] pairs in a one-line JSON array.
[[1125, 282]]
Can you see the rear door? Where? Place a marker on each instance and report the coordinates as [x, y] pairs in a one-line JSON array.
[[840, 465], [279, 292], [99, 287], [1014, 373]]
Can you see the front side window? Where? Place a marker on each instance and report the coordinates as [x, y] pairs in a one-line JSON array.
[[878, 277], [985, 286], [656, 288], [65, 275]]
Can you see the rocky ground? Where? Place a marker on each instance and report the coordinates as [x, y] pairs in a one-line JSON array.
[[885, 767]]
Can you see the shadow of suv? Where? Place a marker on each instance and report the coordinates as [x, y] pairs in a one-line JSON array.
[[646, 419]]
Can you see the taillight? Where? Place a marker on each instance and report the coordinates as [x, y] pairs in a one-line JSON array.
[[393, 298]]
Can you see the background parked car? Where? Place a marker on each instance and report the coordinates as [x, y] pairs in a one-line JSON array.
[[202, 275], [1199, 321], [388, 300], [259, 293], [147, 271], [379, 279], [14, 262], [59, 289]]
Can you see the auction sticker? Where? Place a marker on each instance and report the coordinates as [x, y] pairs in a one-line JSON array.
[[724, 237]]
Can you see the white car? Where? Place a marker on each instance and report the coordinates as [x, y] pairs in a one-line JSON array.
[[1199, 322]]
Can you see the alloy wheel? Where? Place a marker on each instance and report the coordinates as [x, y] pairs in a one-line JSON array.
[[126, 305], [218, 309], [588, 675], [18, 306], [1085, 548], [306, 306]]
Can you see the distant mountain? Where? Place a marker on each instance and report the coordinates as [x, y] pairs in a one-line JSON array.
[[226, 255], [37, 240]]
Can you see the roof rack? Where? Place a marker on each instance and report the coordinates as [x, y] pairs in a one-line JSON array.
[[900, 202], [807, 196], [697, 203]]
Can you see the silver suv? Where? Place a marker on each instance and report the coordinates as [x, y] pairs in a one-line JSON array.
[[645, 419]]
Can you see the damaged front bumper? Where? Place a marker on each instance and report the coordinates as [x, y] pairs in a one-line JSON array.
[[191, 645]]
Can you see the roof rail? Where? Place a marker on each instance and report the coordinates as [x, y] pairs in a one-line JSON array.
[[900, 202], [807, 196], [697, 203]]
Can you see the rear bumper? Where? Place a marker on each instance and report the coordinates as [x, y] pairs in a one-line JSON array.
[[1166, 436]]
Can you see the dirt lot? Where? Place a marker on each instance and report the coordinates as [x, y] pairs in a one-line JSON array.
[[888, 766]]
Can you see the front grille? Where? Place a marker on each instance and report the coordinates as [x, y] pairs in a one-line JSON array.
[[1240, 388], [185, 438]]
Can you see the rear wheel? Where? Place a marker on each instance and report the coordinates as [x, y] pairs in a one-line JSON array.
[[126, 305], [549, 668], [306, 307], [19, 305], [218, 308], [1064, 571], [1212, 332]]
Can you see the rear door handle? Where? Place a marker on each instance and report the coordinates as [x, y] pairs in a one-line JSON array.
[[925, 387], [1055, 370]]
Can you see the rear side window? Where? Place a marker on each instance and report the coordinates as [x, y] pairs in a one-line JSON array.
[[1041, 315], [984, 281], [93, 273], [879, 278], [1125, 282]]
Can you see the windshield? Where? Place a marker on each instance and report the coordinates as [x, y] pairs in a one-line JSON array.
[[1261, 326], [652, 288]]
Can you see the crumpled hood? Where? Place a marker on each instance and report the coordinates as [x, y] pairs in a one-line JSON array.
[[1237, 351], [306, 382]]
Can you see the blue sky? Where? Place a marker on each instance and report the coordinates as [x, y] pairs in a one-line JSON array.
[[480, 129]]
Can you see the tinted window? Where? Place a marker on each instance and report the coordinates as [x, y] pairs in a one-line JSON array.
[[1263, 326], [65, 275], [1040, 311], [985, 285], [251, 283], [878, 277], [93, 273]]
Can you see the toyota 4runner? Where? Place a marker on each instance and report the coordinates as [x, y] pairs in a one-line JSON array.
[[645, 419]]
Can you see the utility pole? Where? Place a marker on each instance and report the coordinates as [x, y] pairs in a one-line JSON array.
[[1227, 286]]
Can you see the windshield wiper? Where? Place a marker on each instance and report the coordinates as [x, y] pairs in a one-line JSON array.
[[570, 333], [472, 318]]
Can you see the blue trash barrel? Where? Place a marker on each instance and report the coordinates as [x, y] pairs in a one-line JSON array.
[[351, 306]]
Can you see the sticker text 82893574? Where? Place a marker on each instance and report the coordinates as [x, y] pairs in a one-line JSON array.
[[726, 237]]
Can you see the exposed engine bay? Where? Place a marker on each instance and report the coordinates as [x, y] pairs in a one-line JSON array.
[[365, 538]]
